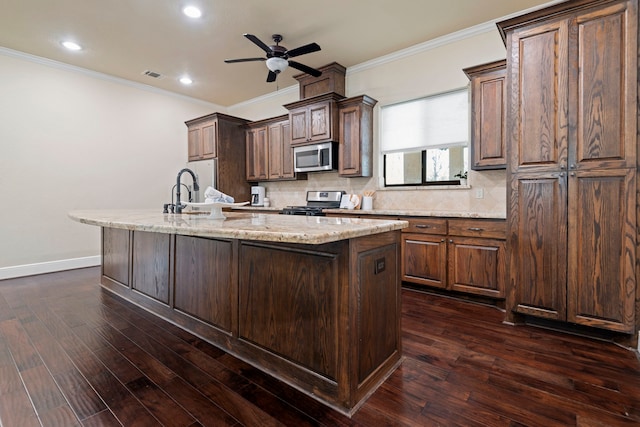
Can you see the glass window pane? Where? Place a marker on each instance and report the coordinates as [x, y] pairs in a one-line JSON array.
[[403, 168]]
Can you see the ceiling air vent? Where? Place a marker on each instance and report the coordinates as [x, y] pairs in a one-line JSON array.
[[153, 74]]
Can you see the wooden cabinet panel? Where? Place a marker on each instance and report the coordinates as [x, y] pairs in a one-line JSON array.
[[287, 152], [298, 119], [602, 249], [355, 156], [257, 154], [313, 123], [204, 280], [222, 137], [280, 317], [349, 158], [314, 119], [209, 139], [605, 83], [269, 151], [116, 254], [194, 143], [488, 228], [426, 225], [151, 264], [424, 259], [539, 245], [320, 122], [275, 151], [378, 297], [280, 165], [573, 115], [477, 266], [540, 97], [488, 111]]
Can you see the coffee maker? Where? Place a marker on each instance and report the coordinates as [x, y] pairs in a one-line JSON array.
[[257, 196]]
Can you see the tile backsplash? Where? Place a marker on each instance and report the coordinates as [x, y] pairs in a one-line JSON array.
[[492, 185]]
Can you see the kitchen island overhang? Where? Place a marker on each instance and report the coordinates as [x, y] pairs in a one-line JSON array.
[[313, 301]]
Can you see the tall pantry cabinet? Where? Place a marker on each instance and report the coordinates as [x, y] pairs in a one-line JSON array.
[[572, 163]]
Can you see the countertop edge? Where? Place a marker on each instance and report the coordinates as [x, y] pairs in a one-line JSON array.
[[188, 226]]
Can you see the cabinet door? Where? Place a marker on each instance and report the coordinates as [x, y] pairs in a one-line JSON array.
[[538, 250], [319, 121], [151, 264], [275, 151], [194, 143], [539, 97], [424, 259], [116, 256], [204, 282], [349, 158], [209, 135], [477, 266], [488, 97], [604, 115], [257, 152], [298, 119], [287, 152], [602, 249]]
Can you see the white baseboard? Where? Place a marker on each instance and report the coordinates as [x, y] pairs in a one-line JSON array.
[[48, 267]]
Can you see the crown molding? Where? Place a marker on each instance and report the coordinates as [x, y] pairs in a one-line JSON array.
[[466, 33]]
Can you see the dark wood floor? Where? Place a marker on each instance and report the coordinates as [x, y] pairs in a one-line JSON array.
[[72, 354]]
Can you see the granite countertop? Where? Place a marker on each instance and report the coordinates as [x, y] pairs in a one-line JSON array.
[[241, 225], [409, 212]]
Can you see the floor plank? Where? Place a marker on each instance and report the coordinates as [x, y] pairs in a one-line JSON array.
[[73, 354]]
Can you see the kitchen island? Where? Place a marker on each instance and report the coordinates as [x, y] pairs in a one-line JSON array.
[[313, 301]]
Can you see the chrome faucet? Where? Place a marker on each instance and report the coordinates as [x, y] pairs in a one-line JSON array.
[[196, 187]]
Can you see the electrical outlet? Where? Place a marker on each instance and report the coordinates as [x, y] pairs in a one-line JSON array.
[[479, 193]]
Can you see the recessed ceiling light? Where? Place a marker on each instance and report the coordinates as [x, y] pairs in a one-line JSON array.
[[185, 80], [71, 45], [192, 12]]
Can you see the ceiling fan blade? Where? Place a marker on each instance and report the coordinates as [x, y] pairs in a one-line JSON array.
[[302, 50], [231, 61], [258, 42], [271, 77], [305, 69]]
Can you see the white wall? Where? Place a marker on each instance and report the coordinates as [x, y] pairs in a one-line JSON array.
[[79, 140], [433, 67]]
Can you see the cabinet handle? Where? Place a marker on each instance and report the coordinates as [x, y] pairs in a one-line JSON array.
[[422, 226], [572, 166], [450, 241], [442, 240], [475, 229], [572, 174]]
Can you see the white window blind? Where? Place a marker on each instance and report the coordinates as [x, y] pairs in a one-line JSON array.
[[437, 121]]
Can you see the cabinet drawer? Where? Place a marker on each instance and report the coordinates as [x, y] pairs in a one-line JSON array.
[[496, 229], [426, 225]]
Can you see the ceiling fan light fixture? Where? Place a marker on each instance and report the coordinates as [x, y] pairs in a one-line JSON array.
[[276, 64]]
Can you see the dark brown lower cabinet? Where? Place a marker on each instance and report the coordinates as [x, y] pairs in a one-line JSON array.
[[116, 254], [151, 264], [424, 259], [324, 318], [477, 266], [464, 255], [203, 285]]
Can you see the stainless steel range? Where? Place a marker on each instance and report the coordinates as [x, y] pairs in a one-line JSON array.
[[316, 202]]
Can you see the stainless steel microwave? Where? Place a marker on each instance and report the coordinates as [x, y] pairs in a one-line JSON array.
[[316, 157]]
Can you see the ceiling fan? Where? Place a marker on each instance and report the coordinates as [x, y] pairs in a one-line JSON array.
[[278, 57]]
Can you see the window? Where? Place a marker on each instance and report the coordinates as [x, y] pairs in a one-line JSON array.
[[425, 141]]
